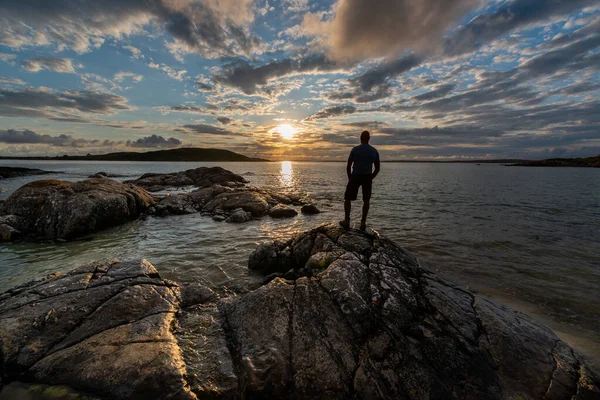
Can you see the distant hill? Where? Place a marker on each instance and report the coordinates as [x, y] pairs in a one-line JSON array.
[[182, 154], [591, 162]]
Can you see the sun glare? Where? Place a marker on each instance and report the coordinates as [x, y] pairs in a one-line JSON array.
[[286, 131]]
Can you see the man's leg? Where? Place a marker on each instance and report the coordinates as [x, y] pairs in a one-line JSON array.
[[345, 223], [365, 211], [367, 188], [347, 209], [349, 195]]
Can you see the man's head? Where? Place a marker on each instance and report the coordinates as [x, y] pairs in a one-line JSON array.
[[364, 137]]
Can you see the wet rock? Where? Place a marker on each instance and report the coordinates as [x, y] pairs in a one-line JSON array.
[[105, 328], [282, 211], [52, 209], [15, 172], [196, 293], [334, 319], [175, 205], [310, 209], [105, 175], [364, 320], [199, 177], [239, 216]]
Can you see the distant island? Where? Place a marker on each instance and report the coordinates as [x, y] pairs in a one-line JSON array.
[[182, 154], [590, 162]]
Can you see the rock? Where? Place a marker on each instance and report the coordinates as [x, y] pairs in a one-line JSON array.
[[175, 205], [371, 323], [200, 177], [282, 211], [14, 172], [239, 216], [229, 201], [219, 218], [105, 175], [195, 293], [105, 328], [52, 209], [363, 322], [310, 209]]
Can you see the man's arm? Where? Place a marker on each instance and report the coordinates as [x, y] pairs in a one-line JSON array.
[[349, 166], [377, 168]]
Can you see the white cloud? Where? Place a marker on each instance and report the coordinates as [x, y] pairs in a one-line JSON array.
[[56, 64], [120, 76]]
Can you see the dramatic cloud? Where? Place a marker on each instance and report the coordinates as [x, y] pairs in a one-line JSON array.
[[209, 27], [335, 111], [514, 14], [26, 136], [56, 64], [246, 77], [363, 29], [208, 129], [155, 141], [47, 103]]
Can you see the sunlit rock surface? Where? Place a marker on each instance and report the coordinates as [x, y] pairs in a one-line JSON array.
[[199, 177], [51, 209], [344, 314]]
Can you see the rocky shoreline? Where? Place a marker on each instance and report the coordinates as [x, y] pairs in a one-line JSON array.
[[341, 314], [53, 209], [15, 172]]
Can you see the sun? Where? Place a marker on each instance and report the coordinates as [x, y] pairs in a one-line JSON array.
[[286, 131]]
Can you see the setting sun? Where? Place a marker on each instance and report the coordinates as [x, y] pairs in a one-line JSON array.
[[286, 131]]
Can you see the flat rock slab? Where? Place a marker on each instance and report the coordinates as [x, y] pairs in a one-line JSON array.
[[344, 314]]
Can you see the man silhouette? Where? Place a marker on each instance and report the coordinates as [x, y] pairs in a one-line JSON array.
[[360, 173]]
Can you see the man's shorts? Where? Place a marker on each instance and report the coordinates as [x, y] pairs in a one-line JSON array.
[[356, 181]]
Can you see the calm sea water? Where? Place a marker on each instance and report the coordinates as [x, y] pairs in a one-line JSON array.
[[529, 237]]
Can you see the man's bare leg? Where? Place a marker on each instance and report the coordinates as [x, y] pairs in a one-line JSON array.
[[365, 211], [347, 208]]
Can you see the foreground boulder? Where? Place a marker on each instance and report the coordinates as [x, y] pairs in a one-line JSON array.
[[359, 318], [51, 209]]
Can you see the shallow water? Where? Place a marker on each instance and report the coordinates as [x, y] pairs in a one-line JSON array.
[[529, 237]]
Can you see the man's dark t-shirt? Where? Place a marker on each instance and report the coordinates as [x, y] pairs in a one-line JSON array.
[[363, 156]]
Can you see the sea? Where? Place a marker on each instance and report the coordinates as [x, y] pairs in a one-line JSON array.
[[527, 237]]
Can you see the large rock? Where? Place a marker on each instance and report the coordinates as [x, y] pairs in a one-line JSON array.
[[362, 319], [200, 177], [359, 318], [106, 329], [51, 209]]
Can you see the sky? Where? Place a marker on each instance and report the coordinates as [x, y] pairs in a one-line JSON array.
[[300, 79]]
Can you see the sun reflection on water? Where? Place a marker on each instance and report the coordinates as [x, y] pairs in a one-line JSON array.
[[286, 178]]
